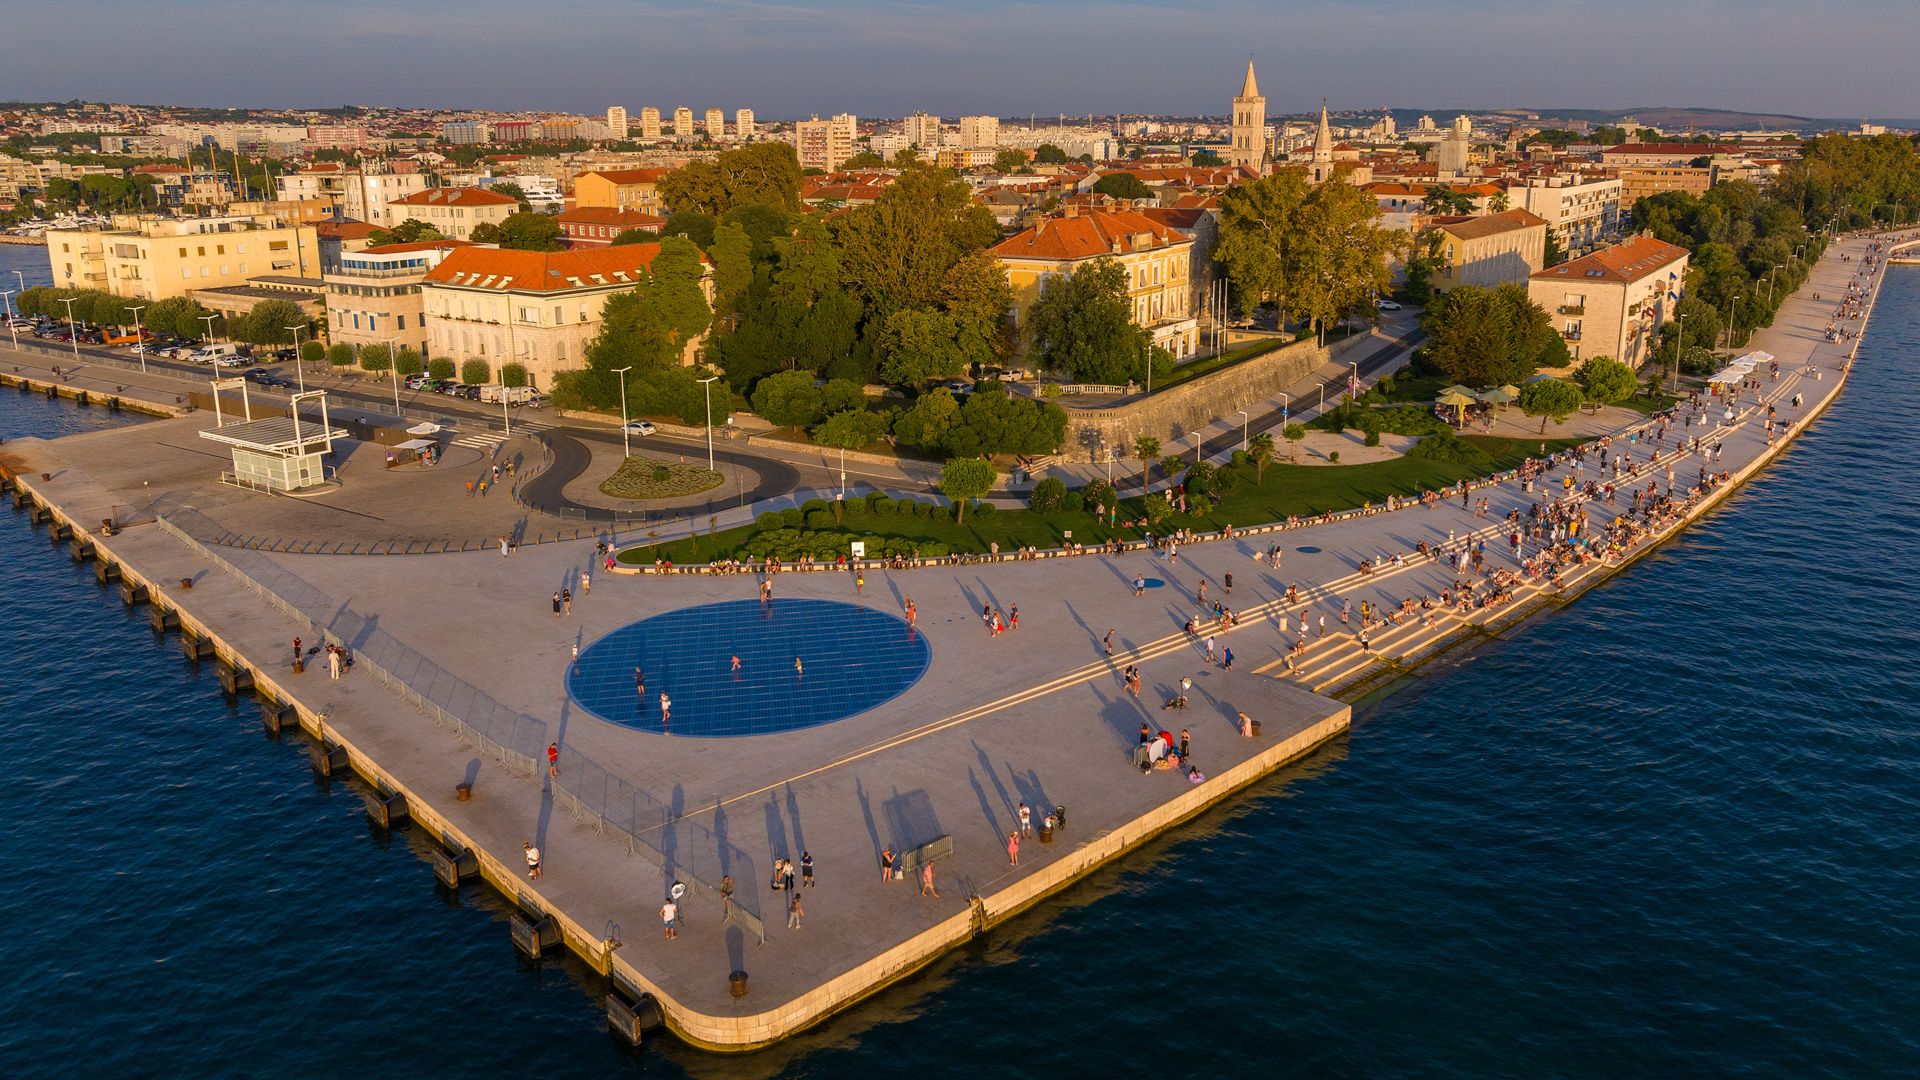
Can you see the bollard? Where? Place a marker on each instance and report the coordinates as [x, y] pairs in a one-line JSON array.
[[463, 792], [388, 810], [737, 983]]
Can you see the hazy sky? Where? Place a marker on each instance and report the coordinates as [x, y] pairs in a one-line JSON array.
[[1825, 58]]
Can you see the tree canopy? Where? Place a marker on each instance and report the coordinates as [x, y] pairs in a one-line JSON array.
[[764, 173], [897, 251], [1319, 252], [1122, 186], [1490, 337], [1082, 324], [966, 479], [1550, 399], [410, 231], [1606, 380], [522, 231]]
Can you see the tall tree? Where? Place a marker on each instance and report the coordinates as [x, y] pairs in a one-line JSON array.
[[1082, 324], [1550, 399], [1260, 222], [966, 479], [522, 231], [766, 173], [897, 251], [1489, 337], [1122, 185]]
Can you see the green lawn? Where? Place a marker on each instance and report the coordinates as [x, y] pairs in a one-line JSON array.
[[1420, 388], [644, 478], [1285, 490]]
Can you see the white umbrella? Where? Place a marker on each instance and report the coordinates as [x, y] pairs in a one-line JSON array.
[[424, 428]]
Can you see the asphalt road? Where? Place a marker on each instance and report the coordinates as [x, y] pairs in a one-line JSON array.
[[571, 457]]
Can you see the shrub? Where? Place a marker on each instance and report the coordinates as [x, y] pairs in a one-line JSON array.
[[884, 504], [1446, 446], [815, 504], [1046, 495], [1199, 506], [661, 474], [475, 372], [919, 509], [985, 508], [1241, 459], [1334, 457], [1073, 502], [1373, 437], [440, 368], [872, 497], [794, 516], [820, 519], [907, 508], [772, 519], [1201, 478]]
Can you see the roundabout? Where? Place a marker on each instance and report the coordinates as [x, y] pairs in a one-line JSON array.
[[802, 663]]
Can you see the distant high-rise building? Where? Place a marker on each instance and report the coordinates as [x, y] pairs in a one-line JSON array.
[[825, 144], [922, 131], [649, 123], [743, 124], [1249, 145], [683, 123], [716, 124], [979, 131], [465, 132], [617, 121]]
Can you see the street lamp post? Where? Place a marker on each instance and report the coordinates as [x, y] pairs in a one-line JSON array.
[[208, 319], [299, 365], [139, 337], [7, 297], [393, 369], [1244, 421], [1323, 397], [22, 279], [73, 335], [626, 442], [1195, 436], [707, 383], [1353, 381], [1730, 307]]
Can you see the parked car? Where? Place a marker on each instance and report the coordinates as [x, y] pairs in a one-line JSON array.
[[537, 401], [639, 427], [1388, 305]]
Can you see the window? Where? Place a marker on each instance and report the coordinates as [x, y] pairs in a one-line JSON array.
[[277, 245], [183, 251], [399, 322], [201, 250], [219, 249], [356, 320], [558, 318]]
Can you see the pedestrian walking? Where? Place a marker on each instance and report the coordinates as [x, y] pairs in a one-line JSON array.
[[926, 881], [799, 669], [1013, 849], [806, 869], [1226, 658], [533, 859], [736, 665], [553, 759], [1026, 820], [1013, 617], [469, 489], [1139, 586], [666, 708], [333, 662], [886, 864], [586, 583], [795, 912], [1209, 648], [1186, 741], [670, 919], [556, 605], [566, 601], [859, 582], [639, 684], [1108, 641], [1228, 583]]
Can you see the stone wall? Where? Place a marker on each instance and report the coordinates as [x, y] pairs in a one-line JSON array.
[[1192, 406]]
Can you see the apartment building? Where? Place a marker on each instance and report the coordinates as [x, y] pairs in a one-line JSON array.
[[649, 123], [977, 131], [743, 124], [683, 123], [466, 132], [923, 131], [533, 308], [1581, 211], [156, 258], [596, 226], [454, 212], [1489, 251], [1158, 262], [362, 195], [620, 189], [716, 124], [1638, 183], [825, 144], [617, 122], [373, 297], [1614, 301]]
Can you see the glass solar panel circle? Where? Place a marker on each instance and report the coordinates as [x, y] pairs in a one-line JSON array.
[[801, 663]]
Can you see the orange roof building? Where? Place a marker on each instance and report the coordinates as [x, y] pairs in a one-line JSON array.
[[455, 212], [534, 308], [620, 189], [596, 226], [1614, 301], [1157, 259]]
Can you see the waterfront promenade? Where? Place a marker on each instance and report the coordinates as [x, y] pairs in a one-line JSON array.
[[1036, 716]]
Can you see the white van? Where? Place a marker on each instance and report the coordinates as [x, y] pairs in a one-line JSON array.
[[208, 354]]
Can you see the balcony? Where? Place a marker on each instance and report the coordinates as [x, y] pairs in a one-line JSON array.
[[1571, 334], [1573, 309]]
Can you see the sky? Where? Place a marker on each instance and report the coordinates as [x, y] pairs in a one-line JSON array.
[[1830, 58]]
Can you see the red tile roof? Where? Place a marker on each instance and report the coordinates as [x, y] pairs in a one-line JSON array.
[[417, 245], [607, 215], [502, 270], [1630, 260], [461, 196], [1473, 228], [344, 230], [627, 176], [1667, 148], [1085, 236]]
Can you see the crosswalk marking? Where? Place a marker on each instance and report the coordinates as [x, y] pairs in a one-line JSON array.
[[488, 440]]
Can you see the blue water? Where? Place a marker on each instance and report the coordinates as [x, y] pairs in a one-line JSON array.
[[1672, 829], [802, 663]]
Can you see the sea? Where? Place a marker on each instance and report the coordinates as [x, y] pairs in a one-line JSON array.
[[1672, 829]]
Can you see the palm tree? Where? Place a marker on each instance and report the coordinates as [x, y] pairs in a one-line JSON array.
[[1498, 204], [1260, 449], [1147, 449]]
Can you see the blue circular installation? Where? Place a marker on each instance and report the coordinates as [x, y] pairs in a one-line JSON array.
[[852, 658]]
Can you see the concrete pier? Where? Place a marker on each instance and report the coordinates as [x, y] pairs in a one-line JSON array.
[[458, 688]]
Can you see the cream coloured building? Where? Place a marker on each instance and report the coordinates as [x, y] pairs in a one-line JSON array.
[[716, 124], [361, 195], [683, 123], [743, 124], [1158, 262], [1580, 210], [539, 309], [1488, 251], [374, 297], [455, 212], [1614, 301], [978, 131], [649, 123], [154, 258], [824, 144]]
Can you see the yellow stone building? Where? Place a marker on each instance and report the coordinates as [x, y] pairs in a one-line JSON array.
[[620, 189], [1158, 262], [156, 258]]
